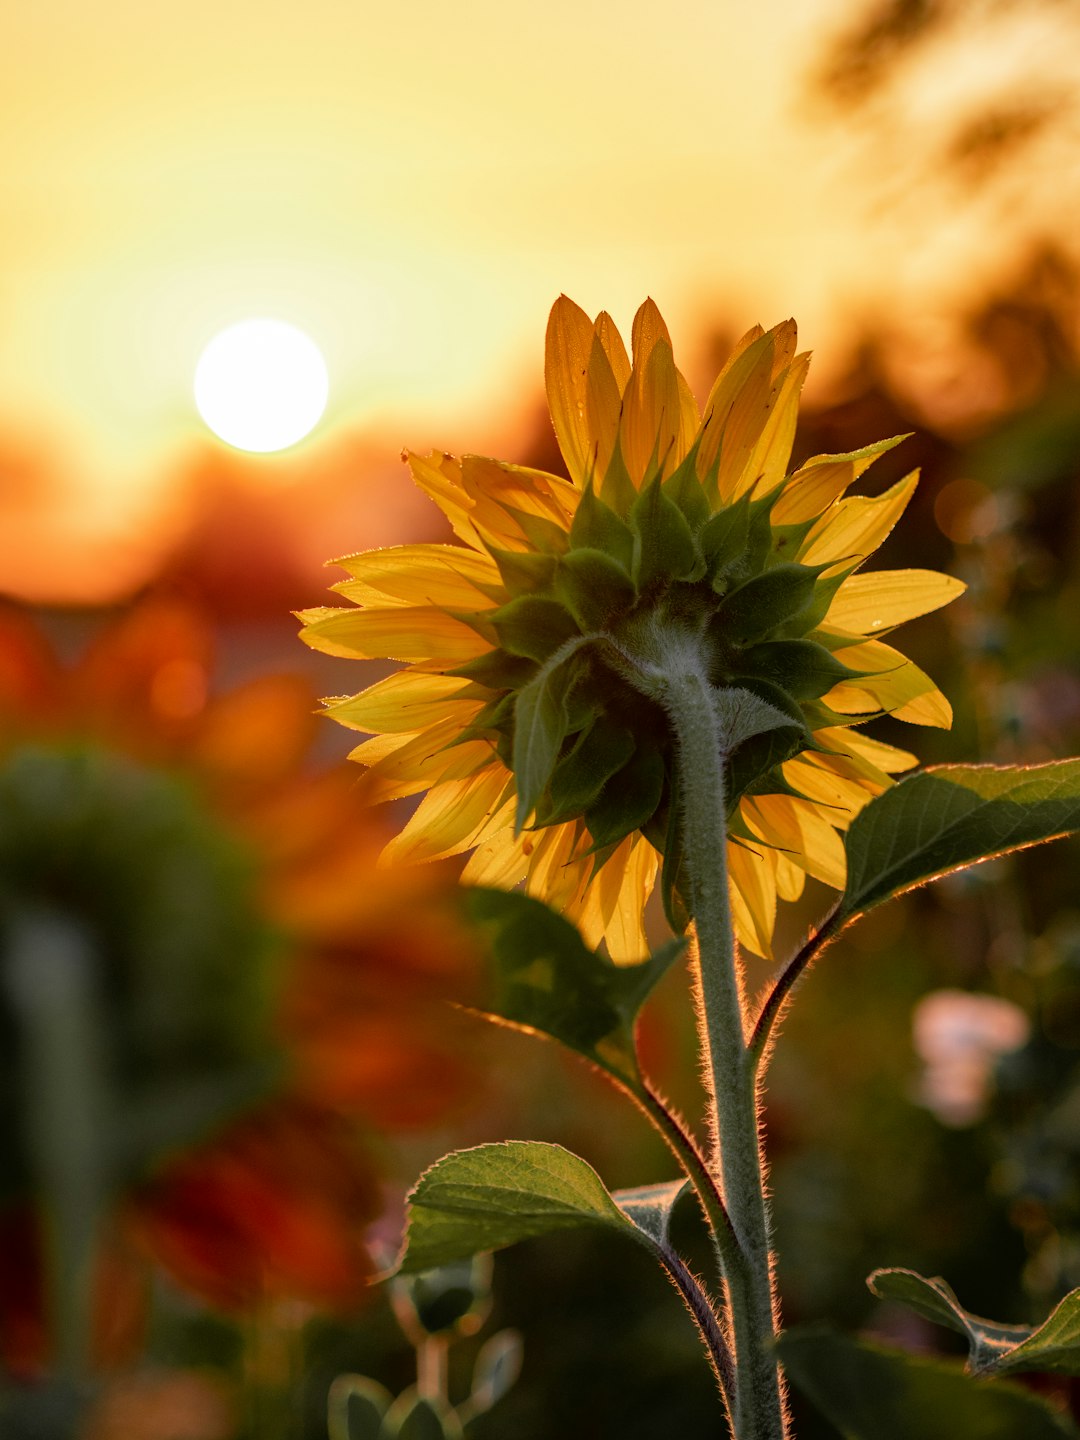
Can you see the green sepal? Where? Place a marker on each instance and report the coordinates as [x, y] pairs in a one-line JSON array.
[[597, 527], [801, 668], [872, 1392], [494, 719], [542, 534], [355, 1406], [617, 490], [578, 778], [815, 611], [497, 670], [760, 605], [629, 799], [525, 572], [593, 586], [544, 977], [766, 751], [664, 547], [723, 542], [541, 724], [533, 626], [685, 491]]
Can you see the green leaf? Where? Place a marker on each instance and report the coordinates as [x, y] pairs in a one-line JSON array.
[[995, 1349], [664, 547], [870, 1392], [949, 817], [723, 539], [544, 977], [355, 1407], [495, 1195], [741, 715], [525, 572]]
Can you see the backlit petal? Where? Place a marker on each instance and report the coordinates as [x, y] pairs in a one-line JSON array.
[[406, 700], [415, 632], [880, 599], [899, 687], [801, 830], [752, 883], [823, 479], [855, 527], [768, 462], [445, 575], [447, 819], [566, 364]]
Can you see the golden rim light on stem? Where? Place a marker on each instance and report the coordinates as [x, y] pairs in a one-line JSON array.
[[668, 512]]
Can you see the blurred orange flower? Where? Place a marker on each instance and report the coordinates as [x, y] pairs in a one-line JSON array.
[[337, 978]]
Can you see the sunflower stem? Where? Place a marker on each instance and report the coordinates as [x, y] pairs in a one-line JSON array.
[[684, 690]]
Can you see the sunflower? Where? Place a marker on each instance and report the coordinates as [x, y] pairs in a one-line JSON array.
[[514, 712]]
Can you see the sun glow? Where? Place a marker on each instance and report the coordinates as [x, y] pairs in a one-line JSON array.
[[261, 385]]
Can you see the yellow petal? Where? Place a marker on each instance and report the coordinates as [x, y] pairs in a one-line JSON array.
[[888, 758], [752, 883], [798, 828], [446, 575], [899, 687], [555, 872], [439, 476], [407, 700], [623, 885], [746, 418], [790, 880], [648, 331], [614, 349], [497, 489], [603, 408], [880, 599], [447, 819], [823, 479], [415, 632], [499, 859], [854, 528], [843, 792], [400, 765], [651, 424], [744, 364], [768, 462], [566, 364]]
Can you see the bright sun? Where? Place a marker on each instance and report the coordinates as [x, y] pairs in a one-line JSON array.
[[261, 385]]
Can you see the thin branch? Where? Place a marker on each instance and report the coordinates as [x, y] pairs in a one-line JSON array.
[[705, 1318]]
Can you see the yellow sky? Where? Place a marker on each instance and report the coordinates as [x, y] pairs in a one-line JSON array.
[[412, 184]]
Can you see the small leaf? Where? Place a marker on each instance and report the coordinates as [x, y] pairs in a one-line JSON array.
[[355, 1407], [949, 817], [995, 1349], [494, 1195], [723, 540], [544, 977], [525, 572], [870, 1392], [650, 1207]]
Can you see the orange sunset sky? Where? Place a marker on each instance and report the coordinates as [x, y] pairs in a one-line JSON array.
[[413, 184]]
